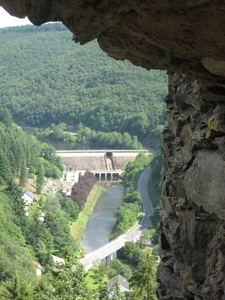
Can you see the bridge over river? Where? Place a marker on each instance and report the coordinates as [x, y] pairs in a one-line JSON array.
[[108, 251]]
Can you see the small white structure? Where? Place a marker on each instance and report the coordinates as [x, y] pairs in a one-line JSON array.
[[72, 176], [27, 197], [42, 217], [58, 260], [38, 268], [122, 282]]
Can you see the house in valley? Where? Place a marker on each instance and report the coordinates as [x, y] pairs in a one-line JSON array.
[[27, 197], [122, 283]]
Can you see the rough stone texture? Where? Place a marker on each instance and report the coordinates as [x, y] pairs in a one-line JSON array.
[[203, 185], [184, 37], [193, 217]]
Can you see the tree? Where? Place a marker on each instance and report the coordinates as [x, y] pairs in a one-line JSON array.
[[143, 281], [5, 170], [116, 294], [60, 230], [68, 205], [40, 178], [133, 197], [145, 236], [67, 284], [5, 117], [52, 204], [17, 290], [23, 173]]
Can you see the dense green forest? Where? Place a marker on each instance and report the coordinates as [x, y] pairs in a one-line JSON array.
[[29, 233], [46, 78], [85, 138]]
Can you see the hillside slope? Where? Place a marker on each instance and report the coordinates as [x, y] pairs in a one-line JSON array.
[[46, 78]]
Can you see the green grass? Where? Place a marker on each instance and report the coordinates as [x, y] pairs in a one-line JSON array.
[[93, 279], [77, 228]]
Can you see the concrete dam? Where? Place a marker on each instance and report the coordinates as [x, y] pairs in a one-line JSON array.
[[105, 164]]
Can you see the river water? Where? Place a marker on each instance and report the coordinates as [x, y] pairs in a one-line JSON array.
[[103, 218]]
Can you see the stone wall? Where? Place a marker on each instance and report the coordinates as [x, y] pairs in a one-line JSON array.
[[192, 236]]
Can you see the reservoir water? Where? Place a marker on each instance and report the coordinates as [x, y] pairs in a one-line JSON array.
[[103, 218]]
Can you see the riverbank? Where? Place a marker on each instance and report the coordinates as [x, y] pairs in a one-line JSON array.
[[77, 228]]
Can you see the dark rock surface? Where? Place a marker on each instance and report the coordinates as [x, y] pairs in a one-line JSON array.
[[193, 197], [188, 39]]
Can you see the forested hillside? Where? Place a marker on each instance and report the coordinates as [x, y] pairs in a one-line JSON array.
[[29, 233], [46, 78]]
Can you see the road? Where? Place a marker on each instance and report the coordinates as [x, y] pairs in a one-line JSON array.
[[91, 258], [146, 204]]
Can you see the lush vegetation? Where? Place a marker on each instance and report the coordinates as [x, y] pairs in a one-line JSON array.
[[66, 282], [20, 152], [136, 263], [29, 233], [46, 78], [128, 212], [85, 138]]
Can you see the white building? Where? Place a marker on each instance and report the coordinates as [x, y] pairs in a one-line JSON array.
[[27, 197]]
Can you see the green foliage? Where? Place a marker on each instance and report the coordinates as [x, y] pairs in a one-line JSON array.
[[5, 170], [133, 253], [66, 284], [56, 220], [14, 256], [133, 169], [74, 84], [133, 197], [52, 163], [5, 117], [19, 151], [14, 289], [128, 212], [25, 239], [116, 294], [40, 178], [68, 205], [143, 280], [85, 138], [145, 236], [118, 268], [23, 173]]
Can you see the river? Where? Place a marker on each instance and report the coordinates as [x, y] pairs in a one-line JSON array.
[[103, 218]]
